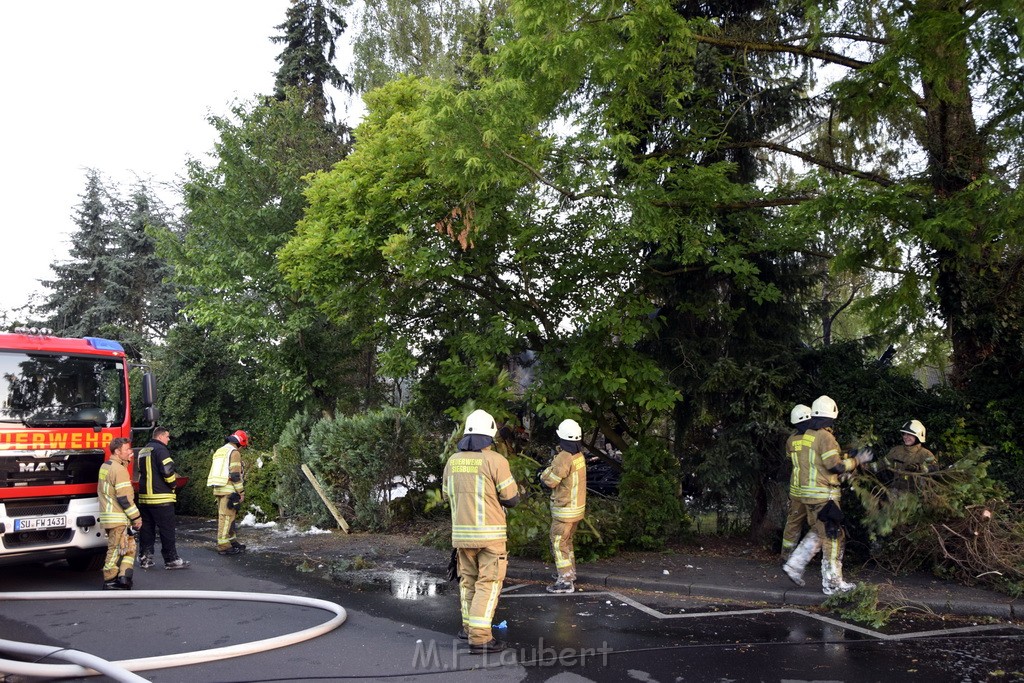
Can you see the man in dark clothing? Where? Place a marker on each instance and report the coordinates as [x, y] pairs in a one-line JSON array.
[[157, 483]]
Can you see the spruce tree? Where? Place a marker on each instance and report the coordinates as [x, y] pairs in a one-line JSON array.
[[311, 29], [79, 304], [114, 285], [142, 286]]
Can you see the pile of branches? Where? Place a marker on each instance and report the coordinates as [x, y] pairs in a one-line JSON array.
[[954, 521], [986, 545]]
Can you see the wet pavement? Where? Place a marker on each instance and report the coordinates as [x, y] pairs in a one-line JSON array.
[[401, 620]]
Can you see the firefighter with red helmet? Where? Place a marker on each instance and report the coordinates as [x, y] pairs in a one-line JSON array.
[[816, 487], [226, 478], [796, 445], [478, 485], [567, 476], [119, 516]]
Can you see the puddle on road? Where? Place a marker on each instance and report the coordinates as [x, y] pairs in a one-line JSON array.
[[403, 584]]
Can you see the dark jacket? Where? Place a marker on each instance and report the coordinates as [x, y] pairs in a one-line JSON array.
[[156, 474]]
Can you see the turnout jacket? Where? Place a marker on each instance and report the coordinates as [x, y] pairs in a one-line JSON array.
[[116, 497], [474, 482], [156, 474], [226, 471], [817, 463], [914, 458], [567, 475]]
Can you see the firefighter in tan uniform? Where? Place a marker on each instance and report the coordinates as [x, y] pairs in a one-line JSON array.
[[911, 456], [567, 475], [815, 486], [796, 446], [117, 513], [227, 480], [478, 485]]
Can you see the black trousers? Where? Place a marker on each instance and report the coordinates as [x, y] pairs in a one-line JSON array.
[[158, 518]]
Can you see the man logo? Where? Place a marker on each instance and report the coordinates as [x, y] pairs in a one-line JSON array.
[[41, 466]]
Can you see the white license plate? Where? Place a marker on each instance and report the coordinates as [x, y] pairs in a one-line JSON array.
[[35, 523]]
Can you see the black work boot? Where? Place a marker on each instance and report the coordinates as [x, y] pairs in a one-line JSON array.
[[124, 582]]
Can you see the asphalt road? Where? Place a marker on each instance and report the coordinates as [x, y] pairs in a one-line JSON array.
[[400, 625]]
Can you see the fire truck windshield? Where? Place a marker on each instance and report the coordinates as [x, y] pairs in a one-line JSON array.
[[54, 390]]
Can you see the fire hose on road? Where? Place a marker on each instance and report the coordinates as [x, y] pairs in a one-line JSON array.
[[84, 664]]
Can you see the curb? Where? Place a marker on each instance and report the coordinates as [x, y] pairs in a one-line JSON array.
[[1010, 609]]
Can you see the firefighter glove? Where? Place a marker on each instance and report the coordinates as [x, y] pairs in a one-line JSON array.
[[864, 455], [234, 501]]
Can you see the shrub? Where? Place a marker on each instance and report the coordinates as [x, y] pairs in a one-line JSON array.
[[359, 458], [651, 510], [294, 494], [195, 499]]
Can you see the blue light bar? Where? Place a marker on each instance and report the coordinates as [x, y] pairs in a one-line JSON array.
[[102, 344]]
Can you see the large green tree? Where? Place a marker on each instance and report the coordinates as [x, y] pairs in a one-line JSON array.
[[648, 195], [239, 212], [433, 38]]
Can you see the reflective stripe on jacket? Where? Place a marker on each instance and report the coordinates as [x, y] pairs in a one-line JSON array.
[[814, 454], [114, 481], [226, 461], [568, 476], [156, 475], [473, 483]]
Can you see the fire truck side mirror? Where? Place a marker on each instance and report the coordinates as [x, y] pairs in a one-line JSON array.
[[148, 390], [151, 415]]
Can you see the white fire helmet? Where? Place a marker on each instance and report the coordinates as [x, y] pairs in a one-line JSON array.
[[824, 406], [800, 413], [569, 430], [480, 422], [916, 428]]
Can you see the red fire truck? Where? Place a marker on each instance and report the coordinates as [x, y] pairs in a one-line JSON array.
[[61, 403]]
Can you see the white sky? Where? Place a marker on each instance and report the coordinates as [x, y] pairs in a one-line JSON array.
[[121, 86]]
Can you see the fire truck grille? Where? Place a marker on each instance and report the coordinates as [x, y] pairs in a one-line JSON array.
[[36, 508], [62, 467], [28, 539]]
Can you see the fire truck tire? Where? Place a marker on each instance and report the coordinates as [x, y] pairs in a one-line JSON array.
[[89, 562]]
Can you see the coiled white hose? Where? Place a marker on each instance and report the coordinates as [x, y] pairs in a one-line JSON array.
[[90, 665]]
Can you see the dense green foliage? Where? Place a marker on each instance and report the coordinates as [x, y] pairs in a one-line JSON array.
[[359, 460], [228, 276], [113, 285], [669, 220]]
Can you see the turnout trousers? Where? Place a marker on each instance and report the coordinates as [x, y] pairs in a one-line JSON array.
[[120, 553], [225, 523], [794, 526], [483, 572], [562, 548]]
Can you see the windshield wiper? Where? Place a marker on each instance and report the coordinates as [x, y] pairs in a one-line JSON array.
[[63, 422]]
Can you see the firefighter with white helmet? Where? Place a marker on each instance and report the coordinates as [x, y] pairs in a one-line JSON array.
[[815, 486], [478, 485], [567, 476], [799, 441], [227, 480], [910, 457]]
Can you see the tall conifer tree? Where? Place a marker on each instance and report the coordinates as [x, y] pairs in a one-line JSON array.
[[79, 304], [311, 30]]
